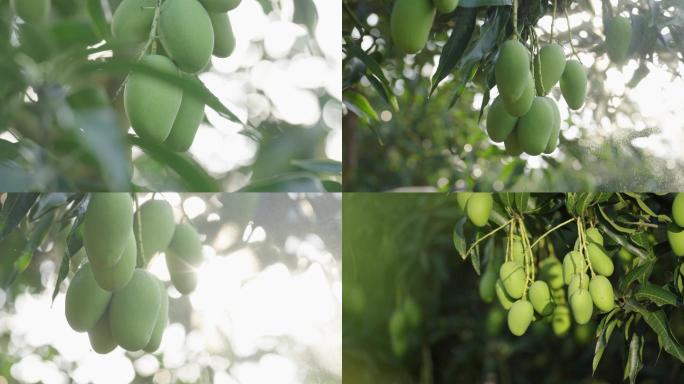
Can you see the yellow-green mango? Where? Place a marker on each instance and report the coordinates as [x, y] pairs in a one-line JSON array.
[[410, 24], [593, 235], [224, 39], [560, 320], [512, 69], [555, 127], [675, 236], [618, 39], [134, 310], [152, 120], [578, 281], [512, 145], [161, 322], [582, 306], [182, 256], [540, 297], [462, 199], [520, 316], [520, 106], [573, 84], [132, 21], [101, 339], [154, 225], [600, 262], [31, 11], [445, 6], [479, 208], [85, 301], [517, 251], [183, 276], [117, 276], [602, 293], [513, 276], [551, 270], [186, 33], [501, 294], [500, 123], [220, 5], [487, 286], [534, 129], [187, 122], [573, 263], [107, 225], [550, 63], [678, 209]]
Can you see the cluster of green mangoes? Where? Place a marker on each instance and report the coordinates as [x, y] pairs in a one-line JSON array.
[[618, 39], [477, 205], [405, 318], [411, 21], [109, 288], [522, 116], [190, 31]]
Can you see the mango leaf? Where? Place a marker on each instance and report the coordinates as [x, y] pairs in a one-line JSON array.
[[74, 243], [38, 234], [99, 20], [658, 323], [464, 19], [292, 182], [458, 237], [484, 3], [359, 105], [604, 331], [16, 207], [48, 202], [634, 359], [640, 273], [614, 224], [376, 74], [321, 166], [657, 295]]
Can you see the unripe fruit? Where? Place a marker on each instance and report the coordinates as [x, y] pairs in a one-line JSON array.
[[505, 300], [534, 129], [513, 276], [184, 253], [582, 306], [162, 320], [157, 227], [151, 103], [555, 127], [678, 209], [512, 69], [495, 319], [410, 24], [31, 11], [186, 33], [134, 310], [85, 300], [187, 122], [512, 144], [573, 263], [220, 6], [500, 123], [107, 225], [573, 84], [520, 106], [540, 297], [132, 21], [224, 39], [445, 6], [602, 293], [397, 323], [560, 320], [462, 199], [578, 281], [117, 276], [600, 262], [101, 339], [488, 285], [618, 39], [593, 235], [412, 312], [479, 208], [517, 251], [519, 317], [550, 62], [675, 236], [552, 272]]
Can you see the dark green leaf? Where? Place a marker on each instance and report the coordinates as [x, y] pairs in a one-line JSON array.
[[464, 19], [459, 238], [321, 166], [16, 207], [655, 294]]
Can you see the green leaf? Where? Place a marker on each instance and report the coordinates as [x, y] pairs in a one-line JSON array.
[[464, 18], [655, 294], [658, 323], [321, 166], [16, 207], [74, 243], [484, 3], [459, 238], [292, 182], [48, 202], [614, 224], [634, 359], [640, 273], [360, 106], [354, 50], [604, 331]]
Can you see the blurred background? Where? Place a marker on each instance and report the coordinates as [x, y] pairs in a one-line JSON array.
[[267, 307], [627, 136]]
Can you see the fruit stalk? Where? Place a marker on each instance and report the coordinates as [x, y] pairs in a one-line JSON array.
[[583, 244], [486, 236]]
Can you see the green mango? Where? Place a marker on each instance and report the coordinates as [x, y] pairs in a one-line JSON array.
[[107, 225], [479, 208], [582, 306], [182, 256], [410, 24], [158, 226], [132, 21], [540, 297], [578, 281], [462, 199], [500, 123], [520, 106], [100, 336], [573, 263], [675, 236], [678, 209], [573, 84], [134, 310], [534, 129], [31, 11], [602, 293], [494, 321], [152, 121], [512, 69], [551, 271], [186, 33], [117, 276], [445, 6], [513, 276], [161, 322], [600, 262], [224, 39], [501, 294], [550, 63], [512, 144], [520, 316], [560, 320], [188, 120], [85, 301], [397, 323], [412, 312], [487, 286], [555, 127], [594, 236], [220, 6], [618, 39]]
